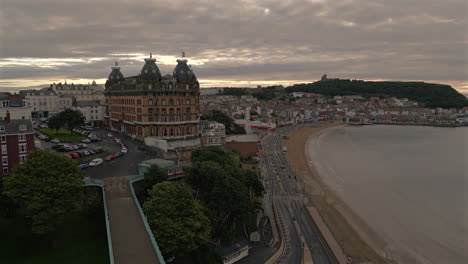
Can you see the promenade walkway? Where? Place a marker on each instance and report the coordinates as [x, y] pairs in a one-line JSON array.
[[130, 241]]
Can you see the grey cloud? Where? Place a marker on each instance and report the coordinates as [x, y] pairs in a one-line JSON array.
[[297, 40]]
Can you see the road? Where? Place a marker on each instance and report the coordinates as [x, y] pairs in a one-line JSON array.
[[285, 190], [122, 166]]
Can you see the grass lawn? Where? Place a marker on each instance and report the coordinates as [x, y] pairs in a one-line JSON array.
[[62, 134], [81, 240]]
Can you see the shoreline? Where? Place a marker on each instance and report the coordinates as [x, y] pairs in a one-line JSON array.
[[354, 235]]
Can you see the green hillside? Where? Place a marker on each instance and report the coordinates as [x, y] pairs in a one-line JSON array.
[[427, 94]]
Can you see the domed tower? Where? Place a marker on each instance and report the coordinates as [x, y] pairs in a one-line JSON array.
[[115, 76], [150, 70]]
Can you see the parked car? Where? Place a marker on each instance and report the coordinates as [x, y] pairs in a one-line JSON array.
[[95, 139], [109, 135], [84, 166], [124, 150], [85, 133], [86, 153], [55, 141], [86, 140], [99, 150], [47, 139], [110, 157], [117, 140], [75, 155], [118, 154], [92, 152], [96, 162], [67, 155]]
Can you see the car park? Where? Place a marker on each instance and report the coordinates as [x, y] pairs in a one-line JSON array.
[[110, 157], [86, 140], [96, 162], [83, 166]]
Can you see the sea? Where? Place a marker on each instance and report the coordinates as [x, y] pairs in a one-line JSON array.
[[409, 184]]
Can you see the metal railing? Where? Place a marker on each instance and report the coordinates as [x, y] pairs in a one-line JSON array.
[[145, 221], [94, 182]]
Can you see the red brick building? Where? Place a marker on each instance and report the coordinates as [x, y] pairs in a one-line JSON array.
[[16, 141]]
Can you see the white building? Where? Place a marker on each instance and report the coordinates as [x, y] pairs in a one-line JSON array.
[[92, 110], [81, 92], [46, 100]]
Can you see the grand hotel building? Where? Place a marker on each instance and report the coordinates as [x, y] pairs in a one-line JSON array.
[[151, 105]]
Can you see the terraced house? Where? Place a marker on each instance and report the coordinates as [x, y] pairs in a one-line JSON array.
[[16, 141]]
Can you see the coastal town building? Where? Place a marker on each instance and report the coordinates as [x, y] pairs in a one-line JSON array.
[[247, 144], [16, 141], [46, 101], [153, 105], [162, 111], [211, 133], [80, 92], [92, 110]]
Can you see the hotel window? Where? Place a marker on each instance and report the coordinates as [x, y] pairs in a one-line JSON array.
[[3, 139], [21, 137], [189, 131], [164, 132], [172, 132], [22, 148], [2, 129], [5, 161], [22, 127], [178, 131], [4, 149], [187, 102], [150, 102], [5, 170], [163, 102], [22, 158], [186, 87]]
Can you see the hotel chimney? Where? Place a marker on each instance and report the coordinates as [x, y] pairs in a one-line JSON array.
[[7, 117]]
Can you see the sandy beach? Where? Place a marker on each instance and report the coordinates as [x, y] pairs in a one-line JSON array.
[[355, 237]]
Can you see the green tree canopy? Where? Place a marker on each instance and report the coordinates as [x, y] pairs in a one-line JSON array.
[[153, 176], [177, 220], [56, 122], [72, 118], [227, 190], [428, 94], [47, 187]]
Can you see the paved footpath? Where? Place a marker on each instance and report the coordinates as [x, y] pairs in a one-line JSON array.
[[130, 241]]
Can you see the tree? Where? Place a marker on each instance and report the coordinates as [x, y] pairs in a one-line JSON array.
[[72, 118], [177, 220], [153, 176], [47, 187], [56, 122]]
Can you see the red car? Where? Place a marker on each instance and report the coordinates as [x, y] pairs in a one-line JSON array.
[[75, 155], [67, 155], [110, 157]]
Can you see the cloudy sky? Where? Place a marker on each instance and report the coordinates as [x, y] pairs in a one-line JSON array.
[[234, 43]]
